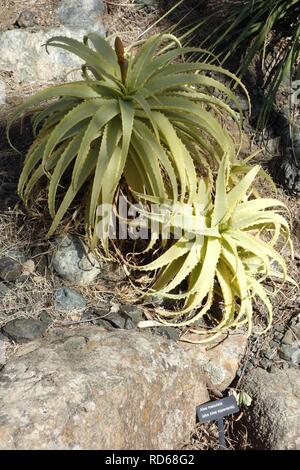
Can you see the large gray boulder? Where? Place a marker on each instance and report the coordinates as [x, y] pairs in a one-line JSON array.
[[92, 389], [273, 420], [89, 388], [22, 54]]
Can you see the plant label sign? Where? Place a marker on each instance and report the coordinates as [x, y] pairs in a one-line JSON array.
[[216, 411]]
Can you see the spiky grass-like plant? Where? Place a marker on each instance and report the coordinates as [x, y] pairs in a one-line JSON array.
[[248, 23], [226, 250], [137, 116]]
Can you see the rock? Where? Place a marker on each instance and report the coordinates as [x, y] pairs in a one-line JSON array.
[[167, 332], [92, 317], [134, 312], [2, 95], [243, 102], [278, 335], [119, 320], [149, 2], [24, 329], [45, 318], [289, 338], [290, 352], [265, 363], [72, 261], [280, 328], [125, 316], [285, 171], [295, 327], [273, 420], [28, 267], [87, 388], [112, 273], [27, 19], [269, 354], [3, 341], [68, 299], [4, 290], [10, 269], [80, 12], [23, 56], [220, 358], [16, 255]]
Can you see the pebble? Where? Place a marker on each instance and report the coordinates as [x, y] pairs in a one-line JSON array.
[[265, 363], [168, 332], [80, 12], [278, 335], [290, 353], [280, 328], [68, 299], [24, 329], [289, 338], [72, 261], [4, 290], [120, 320], [269, 354], [92, 317], [133, 311], [27, 19], [10, 269]]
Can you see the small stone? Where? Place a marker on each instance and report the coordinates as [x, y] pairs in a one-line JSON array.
[[269, 354], [28, 267], [3, 342], [73, 261], [134, 312], [24, 329], [66, 298], [295, 328], [265, 363], [279, 328], [93, 318], [274, 344], [278, 335], [45, 318], [80, 12], [112, 273], [4, 290], [10, 269], [289, 338], [156, 300], [168, 332], [120, 320], [27, 19], [290, 353], [16, 255]]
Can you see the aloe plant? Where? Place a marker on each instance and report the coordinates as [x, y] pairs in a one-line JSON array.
[[146, 123], [226, 250], [136, 117]]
